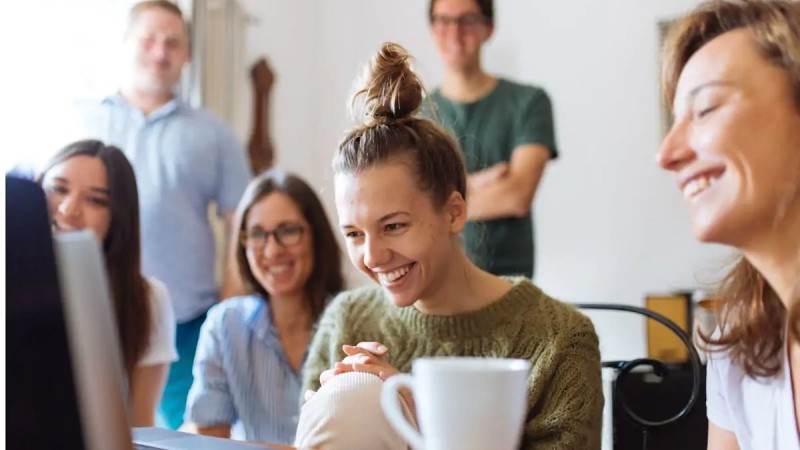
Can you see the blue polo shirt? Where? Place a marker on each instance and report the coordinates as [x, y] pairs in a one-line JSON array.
[[184, 159]]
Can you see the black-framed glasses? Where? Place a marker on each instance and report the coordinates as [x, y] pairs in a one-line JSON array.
[[468, 21], [285, 235]]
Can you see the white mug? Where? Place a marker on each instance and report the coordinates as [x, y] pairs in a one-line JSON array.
[[463, 403]]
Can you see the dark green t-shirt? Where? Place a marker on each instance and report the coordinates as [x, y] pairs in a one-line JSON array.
[[489, 130]]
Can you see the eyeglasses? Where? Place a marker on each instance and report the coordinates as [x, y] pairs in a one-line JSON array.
[[466, 21], [285, 235]]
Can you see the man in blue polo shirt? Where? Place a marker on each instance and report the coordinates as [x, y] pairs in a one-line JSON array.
[[185, 159]]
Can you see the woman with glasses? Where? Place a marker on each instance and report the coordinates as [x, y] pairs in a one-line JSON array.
[[251, 348], [505, 130]]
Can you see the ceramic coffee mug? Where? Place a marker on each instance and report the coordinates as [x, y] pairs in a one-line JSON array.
[[463, 403]]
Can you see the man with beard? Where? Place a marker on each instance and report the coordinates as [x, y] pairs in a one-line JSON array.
[[185, 159]]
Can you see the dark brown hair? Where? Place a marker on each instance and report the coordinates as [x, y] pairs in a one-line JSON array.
[[391, 95], [121, 247], [486, 7], [326, 278], [752, 317]]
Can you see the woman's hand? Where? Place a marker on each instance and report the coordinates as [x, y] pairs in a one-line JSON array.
[[364, 357], [367, 357]]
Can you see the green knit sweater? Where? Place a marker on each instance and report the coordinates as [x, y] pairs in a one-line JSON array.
[[565, 395]]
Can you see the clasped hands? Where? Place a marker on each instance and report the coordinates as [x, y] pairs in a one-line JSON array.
[[365, 357]]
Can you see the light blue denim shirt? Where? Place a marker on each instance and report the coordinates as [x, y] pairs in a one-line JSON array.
[[184, 159], [242, 376]]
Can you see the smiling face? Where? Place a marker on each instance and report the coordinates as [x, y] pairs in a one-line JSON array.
[[394, 233], [281, 268], [157, 48], [78, 194], [735, 146], [459, 30]]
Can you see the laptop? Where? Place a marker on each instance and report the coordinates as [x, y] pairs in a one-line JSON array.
[[161, 439]]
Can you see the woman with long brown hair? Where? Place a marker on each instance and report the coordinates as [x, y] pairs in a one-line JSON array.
[[92, 186], [731, 72], [251, 347]]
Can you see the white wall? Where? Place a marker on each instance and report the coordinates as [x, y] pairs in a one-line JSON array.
[[610, 225]]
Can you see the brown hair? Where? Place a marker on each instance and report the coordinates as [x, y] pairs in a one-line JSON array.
[[752, 317], [326, 278], [391, 95], [486, 6], [121, 247], [165, 5]]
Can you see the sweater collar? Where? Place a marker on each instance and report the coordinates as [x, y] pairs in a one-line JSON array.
[[522, 295]]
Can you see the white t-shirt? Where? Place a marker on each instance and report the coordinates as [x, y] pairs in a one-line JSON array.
[[760, 412], [162, 327]]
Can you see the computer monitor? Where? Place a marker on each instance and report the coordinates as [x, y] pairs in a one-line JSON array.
[[93, 338], [65, 386]]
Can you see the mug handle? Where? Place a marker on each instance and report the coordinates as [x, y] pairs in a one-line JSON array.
[[390, 402]]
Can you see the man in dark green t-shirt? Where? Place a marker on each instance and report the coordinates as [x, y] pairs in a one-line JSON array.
[[505, 130]]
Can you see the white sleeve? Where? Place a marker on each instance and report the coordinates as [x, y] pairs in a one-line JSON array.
[[161, 349], [717, 374]]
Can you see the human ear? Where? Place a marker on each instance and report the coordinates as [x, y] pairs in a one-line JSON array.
[[489, 32], [456, 212]]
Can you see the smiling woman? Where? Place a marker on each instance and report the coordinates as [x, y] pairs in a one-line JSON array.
[[251, 348], [92, 186], [78, 195], [732, 75], [401, 189]]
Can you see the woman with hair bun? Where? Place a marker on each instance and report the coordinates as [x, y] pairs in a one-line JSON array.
[[400, 187]]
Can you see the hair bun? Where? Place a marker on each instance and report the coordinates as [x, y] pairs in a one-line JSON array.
[[389, 90]]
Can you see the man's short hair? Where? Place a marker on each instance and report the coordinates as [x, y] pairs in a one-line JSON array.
[[164, 5]]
